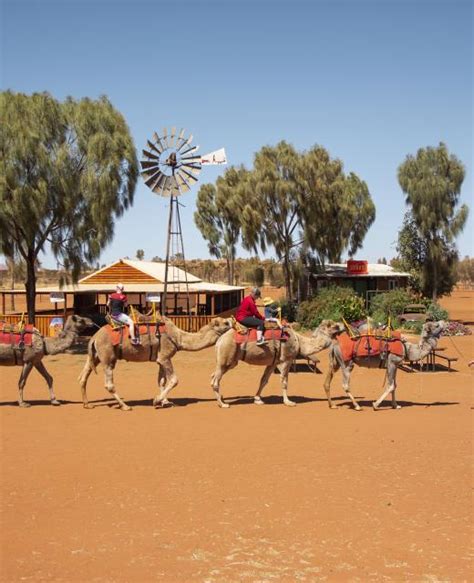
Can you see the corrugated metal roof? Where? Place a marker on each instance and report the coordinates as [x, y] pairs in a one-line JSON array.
[[199, 286], [373, 270], [151, 268]]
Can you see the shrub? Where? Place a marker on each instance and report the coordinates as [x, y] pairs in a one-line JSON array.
[[391, 303], [437, 312], [332, 303]]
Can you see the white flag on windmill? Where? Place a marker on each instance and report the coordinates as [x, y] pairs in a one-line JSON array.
[[214, 158]]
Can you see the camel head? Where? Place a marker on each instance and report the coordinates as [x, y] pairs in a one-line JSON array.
[[220, 325], [328, 329], [432, 330], [77, 323]]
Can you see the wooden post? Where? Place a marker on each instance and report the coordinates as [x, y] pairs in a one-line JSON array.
[[65, 307], [3, 303], [213, 305]]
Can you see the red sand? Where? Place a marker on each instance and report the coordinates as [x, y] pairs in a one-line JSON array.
[[196, 493]]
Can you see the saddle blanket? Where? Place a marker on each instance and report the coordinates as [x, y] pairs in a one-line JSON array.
[[121, 333], [269, 334], [9, 334], [364, 346]]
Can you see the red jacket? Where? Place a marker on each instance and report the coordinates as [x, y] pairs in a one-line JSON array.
[[248, 308]]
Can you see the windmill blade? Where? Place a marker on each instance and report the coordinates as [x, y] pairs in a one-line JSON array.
[[183, 185], [148, 164], [180, 139], [150, 155], [158, 142], [186, 142], [152, 146], [164, 139], [172, 136], [195, 169], [194, 159], [189, 175], [158, 184], [153, 179], [189, 150], [150, 172]]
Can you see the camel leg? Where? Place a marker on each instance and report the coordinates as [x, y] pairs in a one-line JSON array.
[[49, 379], [263, 381], [109, 385], [284, 371], [333, 368], [83, 377], [346, 384], [161, 384], [25, 371], [171, 380], [215, 381], [389, 387]]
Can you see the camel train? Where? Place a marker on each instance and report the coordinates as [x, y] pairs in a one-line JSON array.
[[161, 343]]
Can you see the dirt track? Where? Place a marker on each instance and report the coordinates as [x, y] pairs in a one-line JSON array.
[[246, 494]]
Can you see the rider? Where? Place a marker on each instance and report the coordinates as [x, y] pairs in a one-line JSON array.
[[249, 316], [117, 304]]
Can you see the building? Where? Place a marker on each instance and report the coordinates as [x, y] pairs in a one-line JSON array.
[[144, 285], [365, 278]]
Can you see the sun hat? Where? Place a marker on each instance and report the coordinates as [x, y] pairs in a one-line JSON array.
[[267, 301]]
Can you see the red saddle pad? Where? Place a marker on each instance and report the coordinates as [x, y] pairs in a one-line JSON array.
[[9, 335], [122, 333], [251, 335], [364, 346]]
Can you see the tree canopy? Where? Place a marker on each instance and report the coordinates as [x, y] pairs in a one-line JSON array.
[[432, 182], [68, 169]]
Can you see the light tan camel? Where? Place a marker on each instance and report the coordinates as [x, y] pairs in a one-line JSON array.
[[32, 356], [160, 349], [271, 355], [413, 352]]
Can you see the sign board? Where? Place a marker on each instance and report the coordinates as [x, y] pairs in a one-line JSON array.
[[214, 158], [357, 267], [56, 326], [153, 298], [56, 297]]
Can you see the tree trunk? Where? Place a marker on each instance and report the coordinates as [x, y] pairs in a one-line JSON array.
[[434, 293], [229, 269], [12, 296], [30, 287], [287, 274]]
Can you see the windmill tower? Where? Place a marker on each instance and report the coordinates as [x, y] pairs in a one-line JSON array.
[[170, 168]]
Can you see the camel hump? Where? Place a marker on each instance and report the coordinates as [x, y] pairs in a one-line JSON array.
[[13, 336], [365, 346]]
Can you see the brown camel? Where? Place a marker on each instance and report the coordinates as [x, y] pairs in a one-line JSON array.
[[32, 356], [161, 349], [413, 352], [271, 355]]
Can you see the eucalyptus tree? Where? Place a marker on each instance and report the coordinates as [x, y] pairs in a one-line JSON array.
[[271, 215], [304, 199], [336, 209], [68, 169], [431, 181], [218, 215]]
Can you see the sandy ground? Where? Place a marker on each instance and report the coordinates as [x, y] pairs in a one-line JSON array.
[[196, 493]]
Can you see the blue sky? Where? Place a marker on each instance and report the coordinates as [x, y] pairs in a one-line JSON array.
[[370, 81]]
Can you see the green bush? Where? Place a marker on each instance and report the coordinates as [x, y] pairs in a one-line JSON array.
[[332, 303], [413, 326], [391, 303], [437, 312]]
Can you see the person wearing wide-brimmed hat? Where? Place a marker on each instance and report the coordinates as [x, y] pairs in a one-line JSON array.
[[117, 305], [248, 315]]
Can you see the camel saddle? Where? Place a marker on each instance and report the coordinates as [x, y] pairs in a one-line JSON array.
[[244, 335], [367, 345], [119, 334], [14, 336]]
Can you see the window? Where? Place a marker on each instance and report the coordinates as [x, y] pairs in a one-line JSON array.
[[392, 284]]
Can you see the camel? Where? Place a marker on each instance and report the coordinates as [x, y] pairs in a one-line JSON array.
[[161, 349], [413, 352], [32, 356], [271, 355]]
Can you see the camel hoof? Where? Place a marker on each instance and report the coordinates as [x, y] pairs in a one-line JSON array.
[[375, 407], [223, 405], [333, 407], [290, 403], [258, 401], [358, 408], [88, 406], [397, 407], [24, 405], [125, 408], [55, 402]]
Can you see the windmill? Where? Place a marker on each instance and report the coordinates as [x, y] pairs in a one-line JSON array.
[[170, 168]]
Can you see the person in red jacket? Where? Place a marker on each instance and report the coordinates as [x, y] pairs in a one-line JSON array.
[[248, 315], [117, 304]]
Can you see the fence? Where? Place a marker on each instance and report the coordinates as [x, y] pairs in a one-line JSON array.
[[43, 322]]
